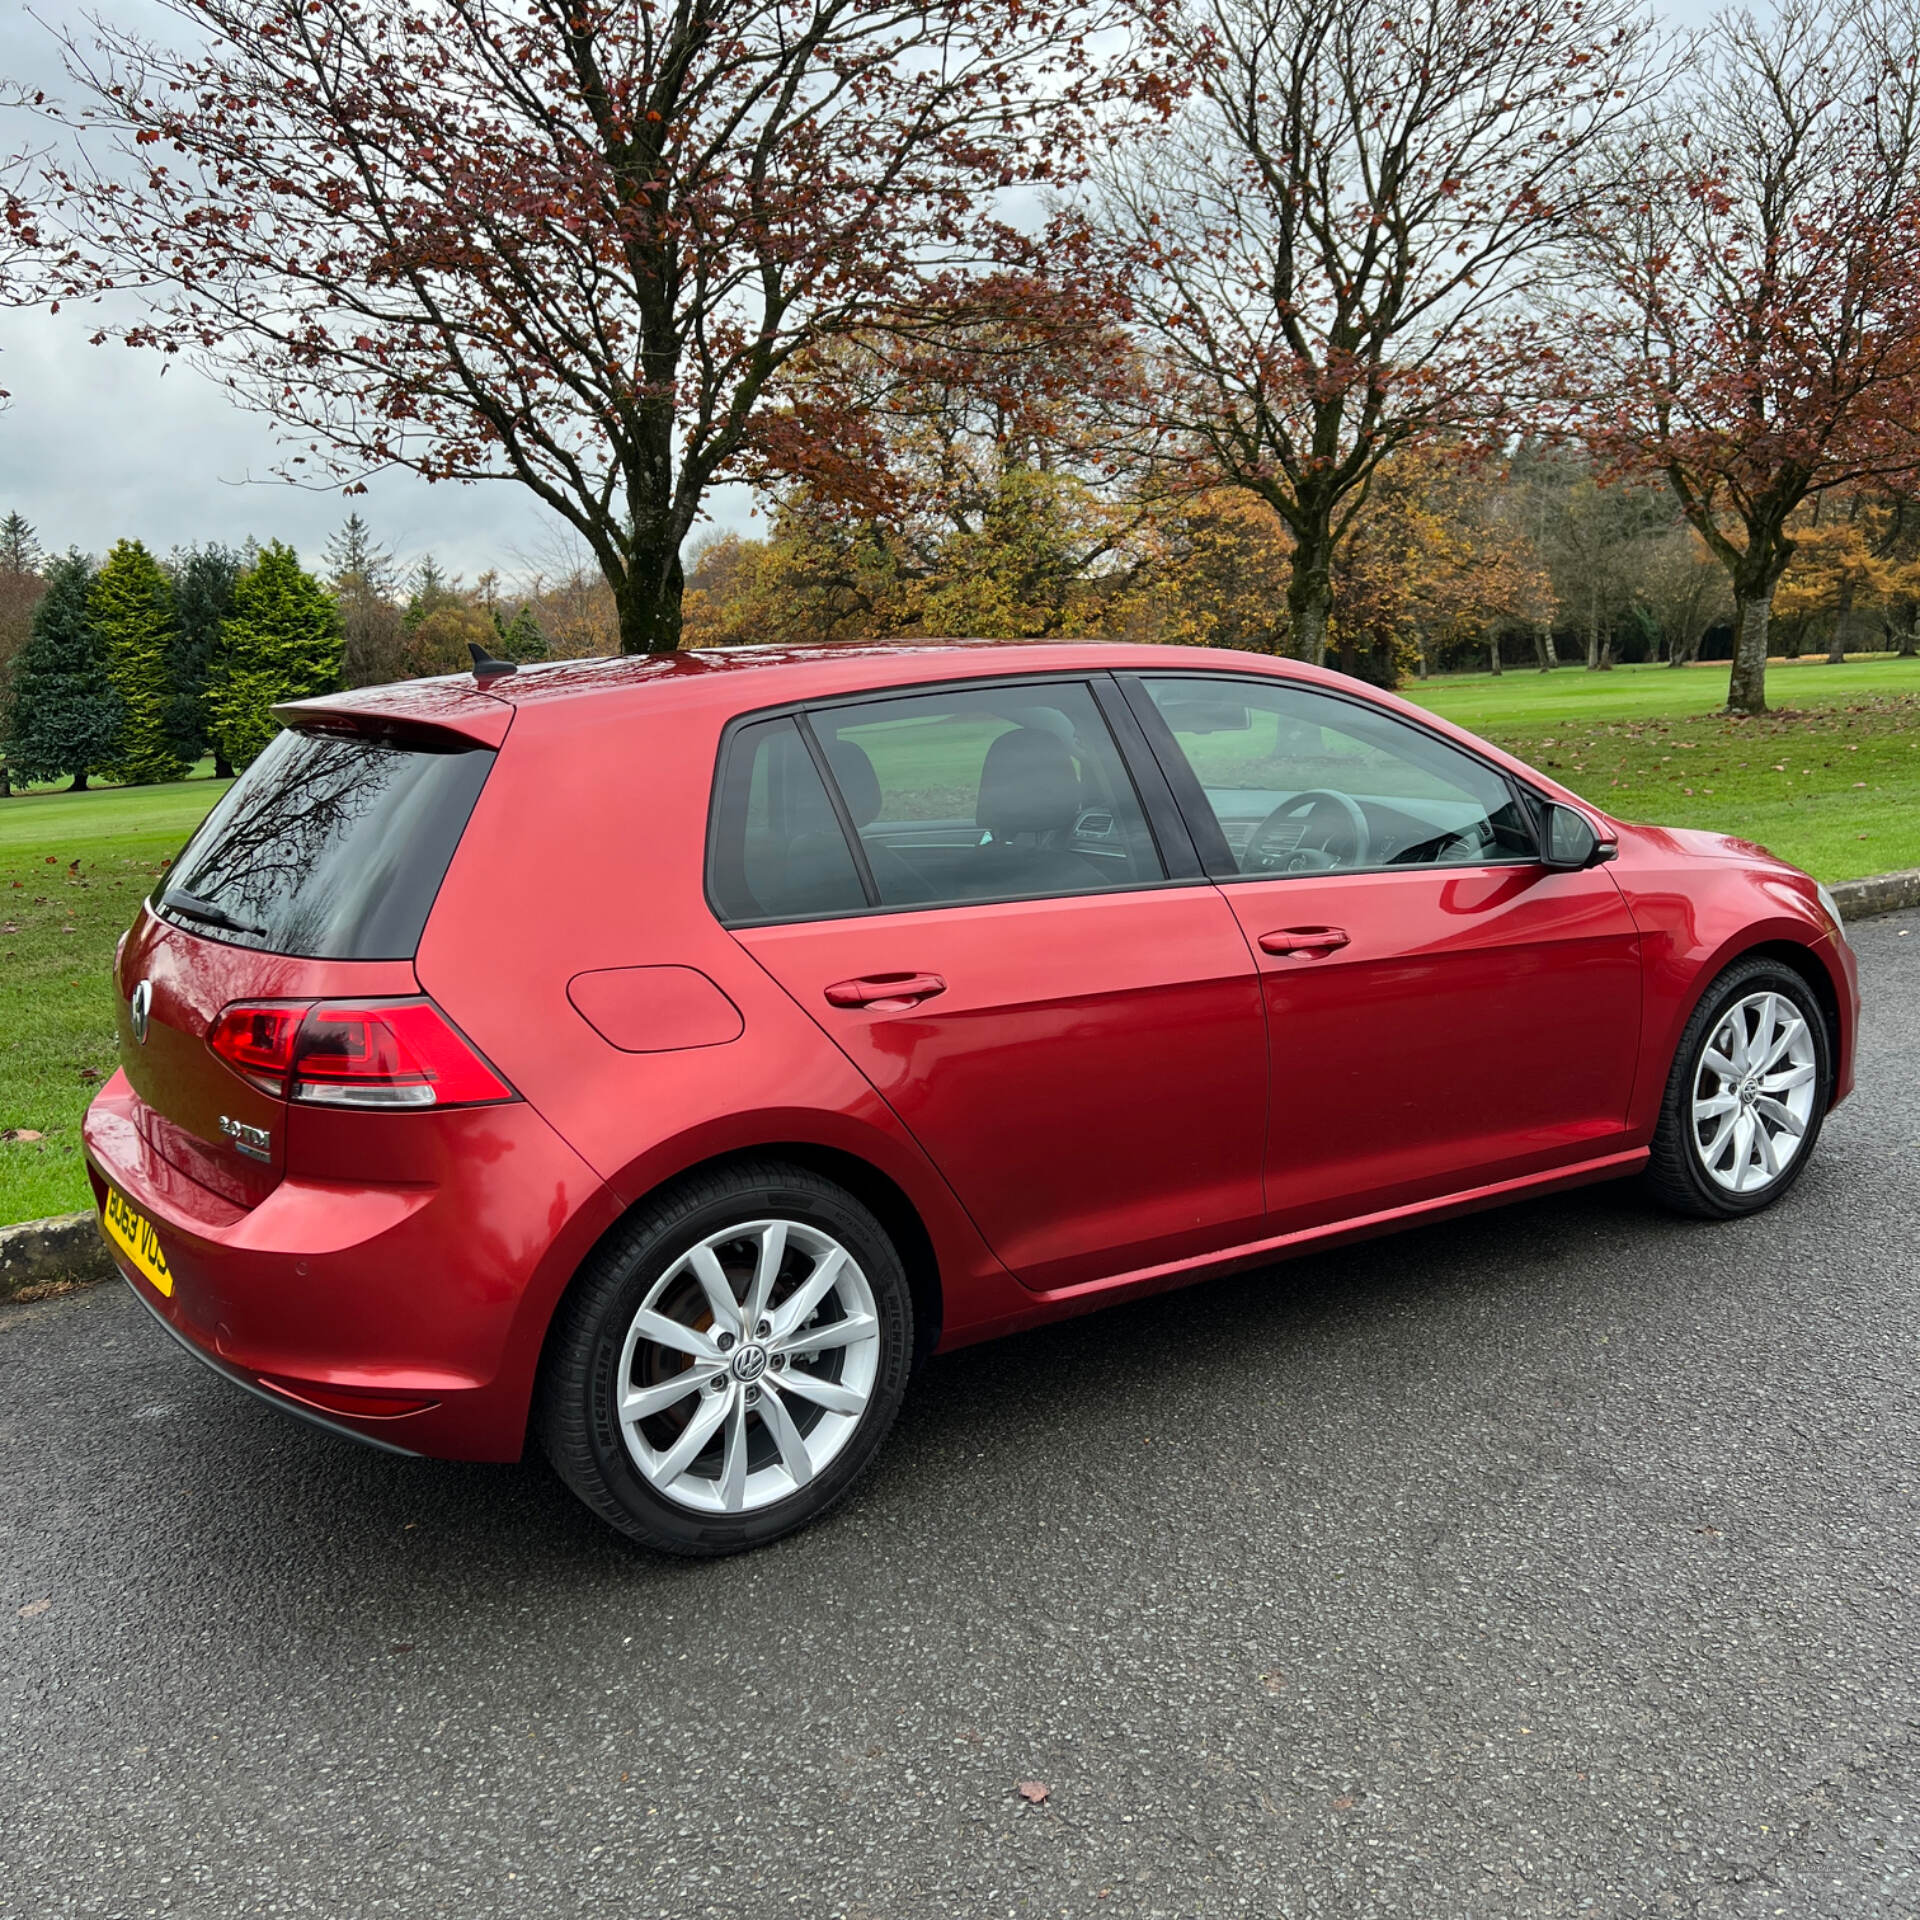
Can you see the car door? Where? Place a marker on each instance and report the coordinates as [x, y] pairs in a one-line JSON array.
[[974, 904], [1444, 1011]]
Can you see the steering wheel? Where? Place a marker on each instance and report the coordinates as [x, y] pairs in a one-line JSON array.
[[1342, 842]]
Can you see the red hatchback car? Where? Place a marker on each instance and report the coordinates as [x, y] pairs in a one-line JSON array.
[[664, 1056]]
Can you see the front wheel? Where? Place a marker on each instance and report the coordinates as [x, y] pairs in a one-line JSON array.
[[726, 1365], [1750, 1085]]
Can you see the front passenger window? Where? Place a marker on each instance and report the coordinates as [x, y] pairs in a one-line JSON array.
[[1299, 781]]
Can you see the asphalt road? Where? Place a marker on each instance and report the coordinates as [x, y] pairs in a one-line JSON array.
[[1563, 1562]]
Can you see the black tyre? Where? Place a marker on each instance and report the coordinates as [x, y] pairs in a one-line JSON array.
[[727, 1363], [1750, 1085]]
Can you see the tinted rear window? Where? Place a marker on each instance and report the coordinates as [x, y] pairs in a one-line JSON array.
[[329, 846]]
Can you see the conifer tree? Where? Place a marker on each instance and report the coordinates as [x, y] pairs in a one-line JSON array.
[[203, 582], [280, 642], [360, 576], [132, 606], [521, 638], [432, 591], [19, 545], [64, 717]]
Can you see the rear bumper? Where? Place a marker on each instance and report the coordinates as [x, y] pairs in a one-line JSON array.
[[407, 1313]]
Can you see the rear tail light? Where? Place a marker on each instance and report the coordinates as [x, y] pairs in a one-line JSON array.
[[355, 1053]]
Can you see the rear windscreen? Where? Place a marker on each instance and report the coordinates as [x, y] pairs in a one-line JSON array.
[[329, 846]]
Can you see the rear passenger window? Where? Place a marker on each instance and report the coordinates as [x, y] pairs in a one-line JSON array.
[[987, 793], [779, 853]]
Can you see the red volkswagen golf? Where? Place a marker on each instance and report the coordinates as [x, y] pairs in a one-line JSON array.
[[660, 1058]]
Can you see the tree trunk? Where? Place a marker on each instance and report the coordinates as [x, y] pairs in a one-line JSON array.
[[1747, 684], [79, 782], [1493, 651], [1909, 629], [1837, 643], [647, 596], [1310, 600], [222, 766], [1593, 633], [1543, 650], [1420, 640]]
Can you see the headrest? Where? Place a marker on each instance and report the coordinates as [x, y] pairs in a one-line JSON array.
[[854, 775], [1027, 785]]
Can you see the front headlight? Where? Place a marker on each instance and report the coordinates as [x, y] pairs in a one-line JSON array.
[[1831, 906]]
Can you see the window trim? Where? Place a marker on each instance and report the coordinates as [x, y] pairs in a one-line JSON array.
[[1208, 839], [1166, 822]]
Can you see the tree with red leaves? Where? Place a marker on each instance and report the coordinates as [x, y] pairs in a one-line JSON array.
[[1324, 260], [576, 243], [1750, 319]]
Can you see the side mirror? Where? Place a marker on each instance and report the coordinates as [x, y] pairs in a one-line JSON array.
[[1572, 842]]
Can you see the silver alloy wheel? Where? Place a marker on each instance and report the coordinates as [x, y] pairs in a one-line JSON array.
[[1753, 1093], [748, 1367]]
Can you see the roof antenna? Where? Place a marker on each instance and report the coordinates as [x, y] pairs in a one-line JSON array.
[[485, 666]]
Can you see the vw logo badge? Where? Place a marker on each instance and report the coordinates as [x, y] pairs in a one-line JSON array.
[[141, 1009], [749, 1362]]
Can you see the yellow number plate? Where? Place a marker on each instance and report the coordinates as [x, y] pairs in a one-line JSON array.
[[133, 1234]]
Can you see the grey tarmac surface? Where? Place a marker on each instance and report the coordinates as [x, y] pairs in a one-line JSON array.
[[1563, 1561]]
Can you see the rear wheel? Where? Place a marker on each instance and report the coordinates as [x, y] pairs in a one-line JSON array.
[[1749, 1088], [727, 1364]]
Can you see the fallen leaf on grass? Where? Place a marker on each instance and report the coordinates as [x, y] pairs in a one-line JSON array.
[[35, 1608], [21, 1134], [1032, 1791], [90, 1073]]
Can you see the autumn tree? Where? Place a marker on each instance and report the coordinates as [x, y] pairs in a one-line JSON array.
[[1323, 257], [1751, 329], [578, 245], [21, 588], [1839, 570], [1217, 573], [281, 641], [20, 234]]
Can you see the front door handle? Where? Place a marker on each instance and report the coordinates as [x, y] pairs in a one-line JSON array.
[[886, 992], [1304, 940]]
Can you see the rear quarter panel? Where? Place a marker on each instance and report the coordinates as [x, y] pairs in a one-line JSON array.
[[587, 853]]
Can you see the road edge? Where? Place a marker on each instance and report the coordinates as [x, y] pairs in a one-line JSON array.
[[40, 1257]]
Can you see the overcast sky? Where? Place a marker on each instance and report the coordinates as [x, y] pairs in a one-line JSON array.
[[100, 442]]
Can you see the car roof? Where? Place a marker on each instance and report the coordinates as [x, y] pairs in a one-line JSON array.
[[735, 680], [739, 679]]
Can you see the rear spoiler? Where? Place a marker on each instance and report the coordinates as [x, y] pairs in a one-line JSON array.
[[435, 718]]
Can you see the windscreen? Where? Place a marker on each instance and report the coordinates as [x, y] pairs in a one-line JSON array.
[[330, 846]]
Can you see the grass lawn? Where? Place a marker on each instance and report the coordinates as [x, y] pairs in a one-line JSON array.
[[1831, 782], [73, 867]]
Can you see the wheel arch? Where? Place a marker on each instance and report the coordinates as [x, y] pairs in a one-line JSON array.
[[876, 1190], [1805, 962]]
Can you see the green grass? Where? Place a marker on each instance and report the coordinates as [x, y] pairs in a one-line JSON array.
[[1830, 780], [73, 869]]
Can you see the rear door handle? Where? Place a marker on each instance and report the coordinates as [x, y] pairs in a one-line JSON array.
[[1304, 940], [886, 992]]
